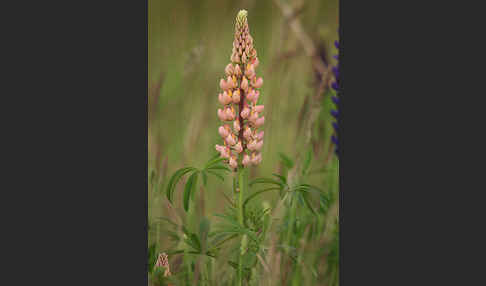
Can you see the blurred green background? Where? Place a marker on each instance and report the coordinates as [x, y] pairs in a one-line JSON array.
[[190, 43]]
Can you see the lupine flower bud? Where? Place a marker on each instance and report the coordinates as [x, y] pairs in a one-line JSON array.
[[237, 71], [230, 113], [251, 146], [236, 58], [255, 62], [221, 115], [230, 140], [256, 158], [260, 121], [224, 152], [223, 132], [250, 71], [224, 98], [245, 112], [243, 58], [257, 94], [246, 160], [247, 133], [258, 83], [232, 162], [236, 96], [260, 134], [259, 145], [259, 108], [244, 84], [253, 117], [229, 70], [236, 125], [238, 147], [239, 99], [251, 95], [218, 148], [223, 85]]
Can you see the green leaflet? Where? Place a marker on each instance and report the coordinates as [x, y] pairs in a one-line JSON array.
[[256, 194], [213, 162], [175, 179], [266, 181], [190, 186]]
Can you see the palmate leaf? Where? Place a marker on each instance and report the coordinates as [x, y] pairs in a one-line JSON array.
[[190, 186], [256, 194], [220, 239], [175, 179], [228, 219]]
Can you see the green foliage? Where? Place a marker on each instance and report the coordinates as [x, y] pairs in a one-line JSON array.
[[289, 204], [211, 167]]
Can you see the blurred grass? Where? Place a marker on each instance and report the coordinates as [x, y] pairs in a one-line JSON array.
[[189, 45]]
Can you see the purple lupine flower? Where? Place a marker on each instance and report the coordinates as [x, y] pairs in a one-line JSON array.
[[335, 99], [239, 98]]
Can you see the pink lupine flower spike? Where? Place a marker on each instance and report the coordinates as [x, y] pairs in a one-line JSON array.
[[239, 96]]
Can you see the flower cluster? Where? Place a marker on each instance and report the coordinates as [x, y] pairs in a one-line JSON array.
[[240, 92], [335, 99]]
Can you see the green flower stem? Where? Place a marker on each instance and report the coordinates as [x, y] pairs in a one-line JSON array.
[[241, 218]]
